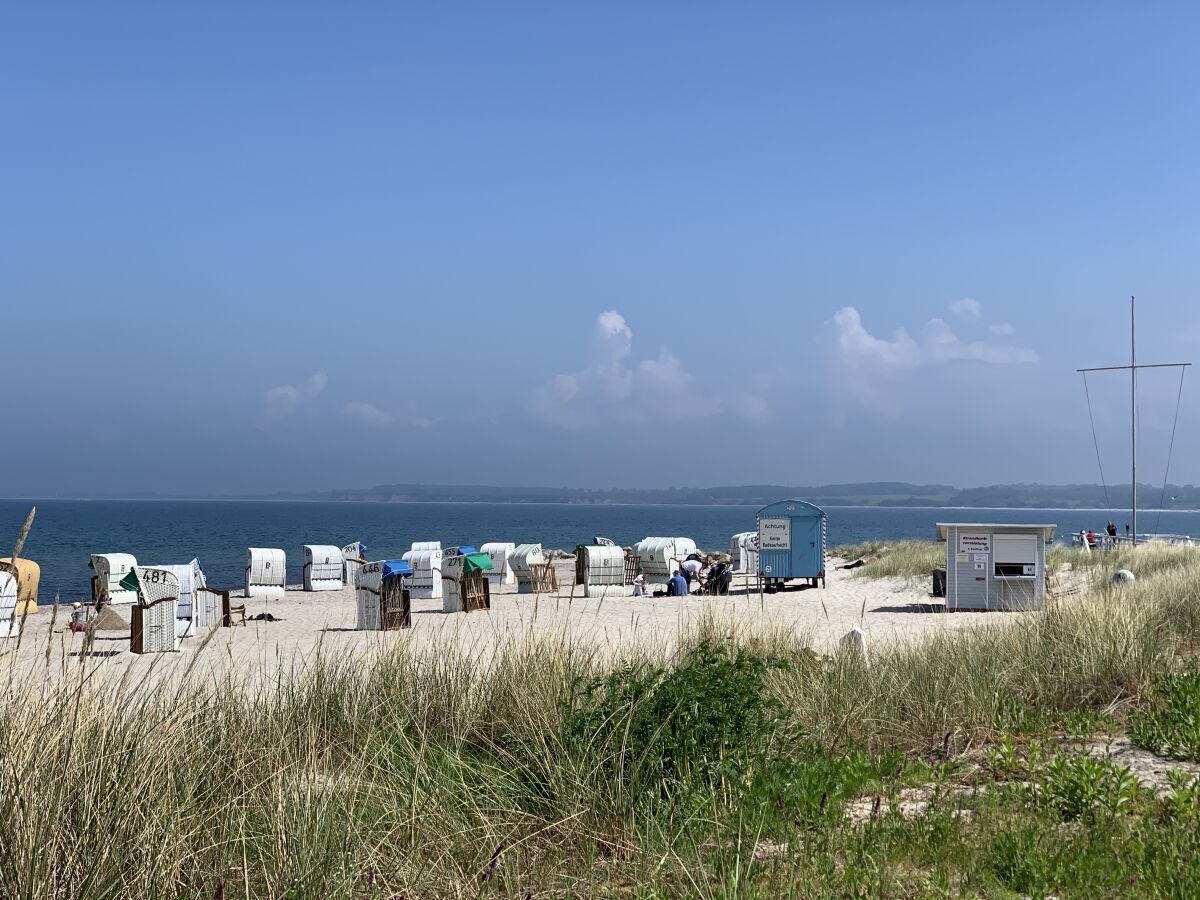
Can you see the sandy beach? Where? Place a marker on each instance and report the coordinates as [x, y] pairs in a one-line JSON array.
[[307, 623]]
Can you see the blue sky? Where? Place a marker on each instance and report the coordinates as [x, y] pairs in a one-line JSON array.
[[265, 247]]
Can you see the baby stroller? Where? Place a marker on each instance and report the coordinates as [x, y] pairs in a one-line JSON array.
[[718, 580]]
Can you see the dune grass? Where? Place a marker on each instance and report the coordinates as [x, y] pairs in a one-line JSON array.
[[895, 559], [724, 768], [917, 559]]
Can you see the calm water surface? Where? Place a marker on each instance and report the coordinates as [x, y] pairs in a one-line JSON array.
[[67, 532]]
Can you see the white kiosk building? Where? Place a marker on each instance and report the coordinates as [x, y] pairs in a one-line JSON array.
[[994, 566]]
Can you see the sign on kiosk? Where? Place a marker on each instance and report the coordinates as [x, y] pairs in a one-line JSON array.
[[775, 534], [974, 543]]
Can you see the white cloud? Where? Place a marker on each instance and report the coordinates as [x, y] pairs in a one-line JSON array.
[[369, 413], [614, 342], [665, 373], [966, 308], [864, 363], [283, 400], [855, 342], [611, 324], [943, 345], [378, 417], [316, 383], [1002, 330], [616, 388]]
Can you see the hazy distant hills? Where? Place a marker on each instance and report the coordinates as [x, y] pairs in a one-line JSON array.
[[871, 493]]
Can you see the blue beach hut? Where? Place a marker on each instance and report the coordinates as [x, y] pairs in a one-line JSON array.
[[791, 543]]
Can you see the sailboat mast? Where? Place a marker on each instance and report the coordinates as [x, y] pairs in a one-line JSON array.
[[1133, 415]]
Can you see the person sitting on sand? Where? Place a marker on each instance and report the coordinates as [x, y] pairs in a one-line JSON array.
[[678, 585]]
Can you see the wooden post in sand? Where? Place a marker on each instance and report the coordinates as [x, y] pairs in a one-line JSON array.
[[537, 597]]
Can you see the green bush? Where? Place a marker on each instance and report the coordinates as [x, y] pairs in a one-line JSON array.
[[810, 787], [1183, 802], [1171, 724], [704, 719], [1080, 785]]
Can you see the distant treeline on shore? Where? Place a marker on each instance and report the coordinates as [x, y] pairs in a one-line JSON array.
[[879, 493]]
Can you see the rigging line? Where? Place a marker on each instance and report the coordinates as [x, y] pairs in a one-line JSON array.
[[1170, 449], [1096, 443], [1138, 412]]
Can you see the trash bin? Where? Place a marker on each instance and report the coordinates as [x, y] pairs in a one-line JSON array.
[[939, 582]]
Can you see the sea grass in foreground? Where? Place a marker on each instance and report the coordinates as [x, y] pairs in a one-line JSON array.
[[741, 764]]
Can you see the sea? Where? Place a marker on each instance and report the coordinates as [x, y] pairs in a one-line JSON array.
[[157, 532]]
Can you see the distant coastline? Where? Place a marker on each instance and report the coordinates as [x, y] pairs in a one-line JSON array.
[[900, 495]]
